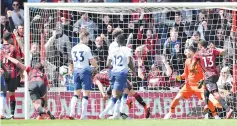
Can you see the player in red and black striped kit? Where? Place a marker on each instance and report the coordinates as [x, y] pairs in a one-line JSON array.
[[38, 84], [13, 78], [206, 57], [101, 79]]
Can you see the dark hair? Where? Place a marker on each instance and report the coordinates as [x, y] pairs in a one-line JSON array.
[[121, 39], [192, 48], [39, 66], [116, 32], [203, 43], [7, 36]]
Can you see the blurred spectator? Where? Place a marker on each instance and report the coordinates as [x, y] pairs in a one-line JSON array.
[[179, 24], [225, 85], [172, 51], [68, 79], [100, 51], [158, 73], [150, 39], [228, 45], [86, 23], [6, 26], [103, 26], [34, 54], [58, 48], [193, 41], [17, 14]]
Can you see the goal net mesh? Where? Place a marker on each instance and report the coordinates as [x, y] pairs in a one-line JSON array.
[[53, 32]]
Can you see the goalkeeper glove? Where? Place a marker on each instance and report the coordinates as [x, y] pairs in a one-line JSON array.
[[178, 78]]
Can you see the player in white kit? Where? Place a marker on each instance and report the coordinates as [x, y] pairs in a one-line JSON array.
[[121, 59], [81, 55]]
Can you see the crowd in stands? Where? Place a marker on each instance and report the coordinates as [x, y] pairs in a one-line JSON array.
[[158, 39]]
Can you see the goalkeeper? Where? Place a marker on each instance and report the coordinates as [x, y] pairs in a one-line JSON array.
[[191, 85]]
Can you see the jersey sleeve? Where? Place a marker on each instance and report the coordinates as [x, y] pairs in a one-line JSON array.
[[28, 69], [89, 54], [110, 55], [216, 52], [129, 52], [196, 57]]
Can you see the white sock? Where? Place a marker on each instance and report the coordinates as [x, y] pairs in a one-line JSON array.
[[116, 108], [1, 105], [84, 105], [73, 105], [108, 107], [111, 111], [123, 103]]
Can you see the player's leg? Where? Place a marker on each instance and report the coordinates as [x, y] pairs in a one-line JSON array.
[[2, 97], [139, 100], [118, 88], [77, 91], [35, 97], [43, 97], [86, 82], [213, 89], [223, 104], [185, 92], [199, 93], [12, 86]]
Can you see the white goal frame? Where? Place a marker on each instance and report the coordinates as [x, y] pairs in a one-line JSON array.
[[72, 6]]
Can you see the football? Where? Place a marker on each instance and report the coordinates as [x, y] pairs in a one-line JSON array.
[[63, 70]]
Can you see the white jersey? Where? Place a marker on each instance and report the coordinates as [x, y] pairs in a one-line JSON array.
[[119, 57], [112, 46], [81, 54]]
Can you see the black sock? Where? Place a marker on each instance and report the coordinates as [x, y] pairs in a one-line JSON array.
[[13, 106], [206, 95], [41, 110], [49, 113], [140, 100], [223, 104]]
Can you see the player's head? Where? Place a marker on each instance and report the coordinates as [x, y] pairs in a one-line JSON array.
[[34, 48], [196, 36], [3, 19], [225, 72], [20, 29], [202, 44], [116, 32], [149, 33], [84, 37], [121, 40], [191, 51], [174, 33], [7, 38], [39, 66]]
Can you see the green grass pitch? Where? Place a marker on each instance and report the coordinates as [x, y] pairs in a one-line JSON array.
[[148, 122]]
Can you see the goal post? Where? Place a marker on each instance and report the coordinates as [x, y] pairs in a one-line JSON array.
[[158, 98]]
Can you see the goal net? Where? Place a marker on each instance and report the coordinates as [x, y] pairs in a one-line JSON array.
[[156, 32]]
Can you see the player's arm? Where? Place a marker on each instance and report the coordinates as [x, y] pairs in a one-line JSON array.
[[92, 60], [131, 65], [140, 69], [50, 41], [109, 61], [17, 62], [194, 63], [186, 71], [221, 51], [101, 87]]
